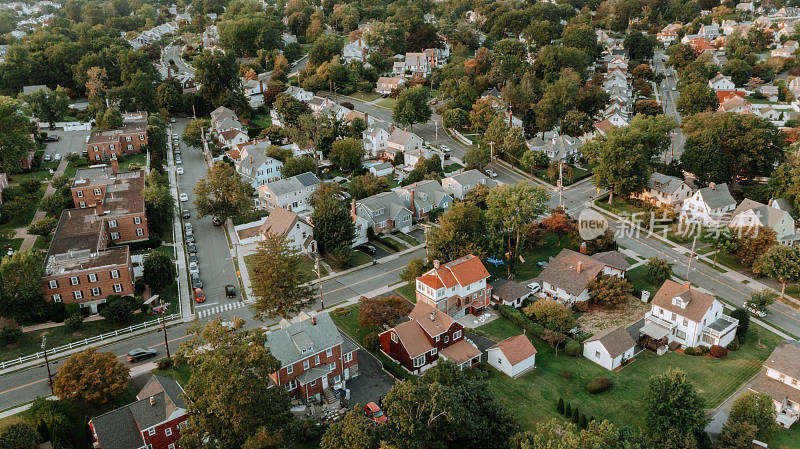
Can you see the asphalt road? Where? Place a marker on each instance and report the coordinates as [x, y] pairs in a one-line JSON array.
[[669, 99]]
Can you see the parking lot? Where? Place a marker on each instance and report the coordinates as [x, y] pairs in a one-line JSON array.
[[71, 142], [372, 382]]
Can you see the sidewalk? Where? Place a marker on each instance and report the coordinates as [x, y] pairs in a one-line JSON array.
[[29, 239], [177, 237]]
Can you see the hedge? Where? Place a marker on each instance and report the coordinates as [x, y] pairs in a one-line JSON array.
[[151, 243], [537, 330], [598, 385]]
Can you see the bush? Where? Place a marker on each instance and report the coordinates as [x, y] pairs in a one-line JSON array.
[[341, 311], [30, 185], [573, 348], [118, 309], [702, 350], [690, 351], [85, 311], [744, 322], [560, 407], [718, 351], [568, 410], [370, 341], [139, 286], [582, 421], [164, 363], [551, 314], [72, 308], [734, 345], [151, 243], [10, 334], [598, 385], [566, 375], [575, 415], [56, 311], [74, 322], [145, 308]]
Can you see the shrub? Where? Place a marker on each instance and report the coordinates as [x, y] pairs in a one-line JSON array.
[[72, 308], [568, 410], [551, 314], [139, 286], [341, 311], [560, 407], [118, 309], [74, 322], [734, 345], [56, 311], [566, 375], [30, 185], [744, 322], [690, 351], [573, 348], [370, 341], [575, 415], [702, 350], [85, 311], [144, 308], [718, 351], [582, 421], [164, 363], [10, 334], [598, 385]]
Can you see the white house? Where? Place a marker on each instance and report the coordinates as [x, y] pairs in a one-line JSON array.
[[566, 278], [232, 138], [751, 214], [617, 62], [509, 293], [402, 141], [375, 140], [688, 317], [355, 51], [417, 64], [721, 82], [458, 185], [258, 169], [223, 119], [780, 379], [708, 206], [299, 93], [382, 169], [297, 232], [386, 84], [292, 194], [609, 348], [513, 356], [361, 224], [665, 191]]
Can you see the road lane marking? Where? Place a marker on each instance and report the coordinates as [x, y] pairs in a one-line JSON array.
[[23, 386]]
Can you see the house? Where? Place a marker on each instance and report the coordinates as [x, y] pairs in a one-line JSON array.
[[418, 64], [299, 93], [780, 379], [424, 196], [710, 31], [786, 50], [709, 205], [357, 50], [232, 138], [293, 194], [384, 212], [110, 144], [375, 140], [387, 84], [609, 348], [257, 168], [566, 278], [509, 293], [223, 119], [381, 169], [314, 357], [781, 204], [745, 7], [769, 113], [153, 421], [297, 232], [603, 127], [736, 105], [429, 334], [686, 317], [402, 141], [617, 63], [665, 191], [456, 288], [751, 214], [319, 104], [721, 82], [559, 148], [458, 185], [513, 356]]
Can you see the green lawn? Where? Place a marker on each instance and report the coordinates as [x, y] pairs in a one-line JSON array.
[[449, 168], [620, 206], [638, 278], [407, 292], [358, 258], [406, 238], [9, 244], [139, 159], [530, 269], [786, 438], [729, 260], [307, 266], [24, 217], [179, 373], [388, 244], [387, 103], [366, 96], [535, 395], [261, 120], [166, 250]]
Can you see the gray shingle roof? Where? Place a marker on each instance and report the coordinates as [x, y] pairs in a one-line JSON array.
[[427, 194], [472, 178], [313, 374], [615, 340], [717, 197], [299, 340], [390, 202], [664, 183], [293, 184]]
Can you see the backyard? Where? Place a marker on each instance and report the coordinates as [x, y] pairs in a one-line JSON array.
[[530, 269], [640, 281], [535, 395], [307, 267]]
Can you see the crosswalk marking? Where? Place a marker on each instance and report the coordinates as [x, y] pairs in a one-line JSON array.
[[223, 308]]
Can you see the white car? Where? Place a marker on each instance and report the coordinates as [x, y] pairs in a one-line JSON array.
[[179, 170], [179, 161], [491, 173], [57, 157], [752, 309], [184, 197], [534, 287], [445, 148], [193, 268]]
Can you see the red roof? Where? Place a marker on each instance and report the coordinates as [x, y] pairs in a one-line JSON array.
[[234, 154], [462, 272], [700, 44], [516, 349], [723, 95]]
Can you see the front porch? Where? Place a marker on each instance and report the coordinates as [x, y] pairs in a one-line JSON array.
[[788, 413]]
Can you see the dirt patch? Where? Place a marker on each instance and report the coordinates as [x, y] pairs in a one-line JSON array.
[[625, 313]]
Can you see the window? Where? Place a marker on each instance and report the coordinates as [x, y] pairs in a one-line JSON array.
[[112, 223], [171, 446], [95, 291], [433, 351], [77, 294], [329, 352], [168, 431], [111, 147], [447, 339], [597, 354], [312, 383], [57, 297], [114, 274], [419, 361], [127, 138], [130, 147], [306, 365], [139, 232], [456, 335], [436, 338], [94, 148], [332, 366], [680, 334], [337, 379], [141, 136], [673, 316], [151, 432], [79, 193], [82, 204], [289, 369], [394, 337], [316, 360], [93, 277], [117, 288], [97, 192], [74, 280], [97, 157], [291, 385], [53, 284], [685, 322], [115, 236], [137, 220], [348, 357]]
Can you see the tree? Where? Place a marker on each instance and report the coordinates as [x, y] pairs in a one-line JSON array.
[[559, 223], [347, 154], [334, 229], [55, 203], [325, 47], [640, 46], [43, 227], [289, 109], [461, 232], [56, 421], [673, 405], [721, 240], [552, 434], [754, 242], [556, 339], [91, 379], [366, 185], [455, 118], [19, 435], [623, 161], [696, 98], [756, 409], [414, 269], [375, 312], [781, 263], [170, 95], [298, 165], [762, 300], [158, 201], [658, 270], [609, 290], [412, 107], [477, 157], [744, 323], [737, 435], [21, 286], [533, 160], [246, 35], [109, 118], [159, 271], [218, 75], [230, 391], [118, 309], [576, 124], [277, 278], [48, 105], [647, 107], [15, 140], [354, 430], [551, 314], [222, 193]]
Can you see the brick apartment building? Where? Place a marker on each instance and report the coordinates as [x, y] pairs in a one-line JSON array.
[[128, 139], [153, 421], [314, 356], [84, 264]]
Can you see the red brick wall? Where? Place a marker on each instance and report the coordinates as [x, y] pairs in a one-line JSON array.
[[160, 440], [89, 198], [126, 227], [297, 370], [104, 281]]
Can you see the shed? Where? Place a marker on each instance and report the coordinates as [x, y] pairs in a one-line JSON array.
[[513, 356], [609, 348]]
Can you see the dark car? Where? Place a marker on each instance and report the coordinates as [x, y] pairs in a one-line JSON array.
[[51, 139], [191, 248], [367, 248], [230, 291], [196, 281], [189, 239], [216, 221], [134, 355], [186, 215], [193, 258]]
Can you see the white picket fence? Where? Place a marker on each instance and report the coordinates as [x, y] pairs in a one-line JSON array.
[[86, 341]]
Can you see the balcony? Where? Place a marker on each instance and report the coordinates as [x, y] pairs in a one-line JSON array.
[[658, 320], [721, 326]]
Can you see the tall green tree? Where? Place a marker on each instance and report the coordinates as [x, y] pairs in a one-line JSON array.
[[21, 286], [461, 231], [673, 405], [354, 430], [412, 107], [696, 98], [159, 271], [170, 95], [781, 263], [222, 193], [193, 133], [48, 105], [277, 276], [334, 229], [623, 162], [15, 139], [347, 154], [79, 383], [218, 75], [756, 409]]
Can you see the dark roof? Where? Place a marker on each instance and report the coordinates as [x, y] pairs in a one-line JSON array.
[[509, 290], [562, 272], [613, 259], [615, 340], [697, 305]]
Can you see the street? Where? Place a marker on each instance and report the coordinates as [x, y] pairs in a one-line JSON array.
[[668, 95]]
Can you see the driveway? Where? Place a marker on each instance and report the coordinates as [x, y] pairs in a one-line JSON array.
[[372, 382], [71, 141]]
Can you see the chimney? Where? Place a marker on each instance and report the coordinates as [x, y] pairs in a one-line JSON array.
[[152, 401], [353, 208], [580, 266], [313, 321], [366, 118], [391, 128], [251, 160], [114, 166], [435, 264], [583, 248], [98, 208], [712, 186], [433, 315], [770, 202], [411, 201], [688, 285]]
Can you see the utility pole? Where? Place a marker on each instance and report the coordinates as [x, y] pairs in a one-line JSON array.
[[436, 127], [560, 185], [47, 363], [319, 283], [691, 257], [491, 151], [164, 325]]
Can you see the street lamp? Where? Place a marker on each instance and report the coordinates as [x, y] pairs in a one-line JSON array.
[[47, 363]]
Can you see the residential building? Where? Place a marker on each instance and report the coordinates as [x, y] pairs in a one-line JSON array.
[[687, 317], [376, 140], [361, 226], [314, 357], [105, 145], [418, 64], [617, 63], [153, 421], [751, 214], [232, 138], [386, 85], [458, 185], [709, 205], [736, 105], [384, 212], [721, 82], [293, 194], [424, 196], [609, 348], [296, 231], [429, 334], [509, 293], [299, 93], [381, 169], [710, 31], [786, 50], [358, 50], [223, 119], [566, 278], [513, 356], [665, 191], [402, 141], [456, 288], [257, 168], [780, 379], [558, 148]]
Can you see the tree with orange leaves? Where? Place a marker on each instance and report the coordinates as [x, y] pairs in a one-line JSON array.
[[91, 378]]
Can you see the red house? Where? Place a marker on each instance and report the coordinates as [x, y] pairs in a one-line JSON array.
[[430, 334], [153, 421], [456, 288]]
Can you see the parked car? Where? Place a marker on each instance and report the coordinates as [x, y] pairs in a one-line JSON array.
[[194, 268], [186, 214], [199, 296], [491, 173], [57, 157], [188, 226], [184, 197], [174, 137], [216, 221], [47, 158], [445, 148], [172, 119], [190, 239], [196, 281], [230, 291], [134, 355], [51, 139], [179, 170], [178, 161], [534, 287], [367, 248], [193, 259], [753, 310], [191, 248], [373, 412]]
